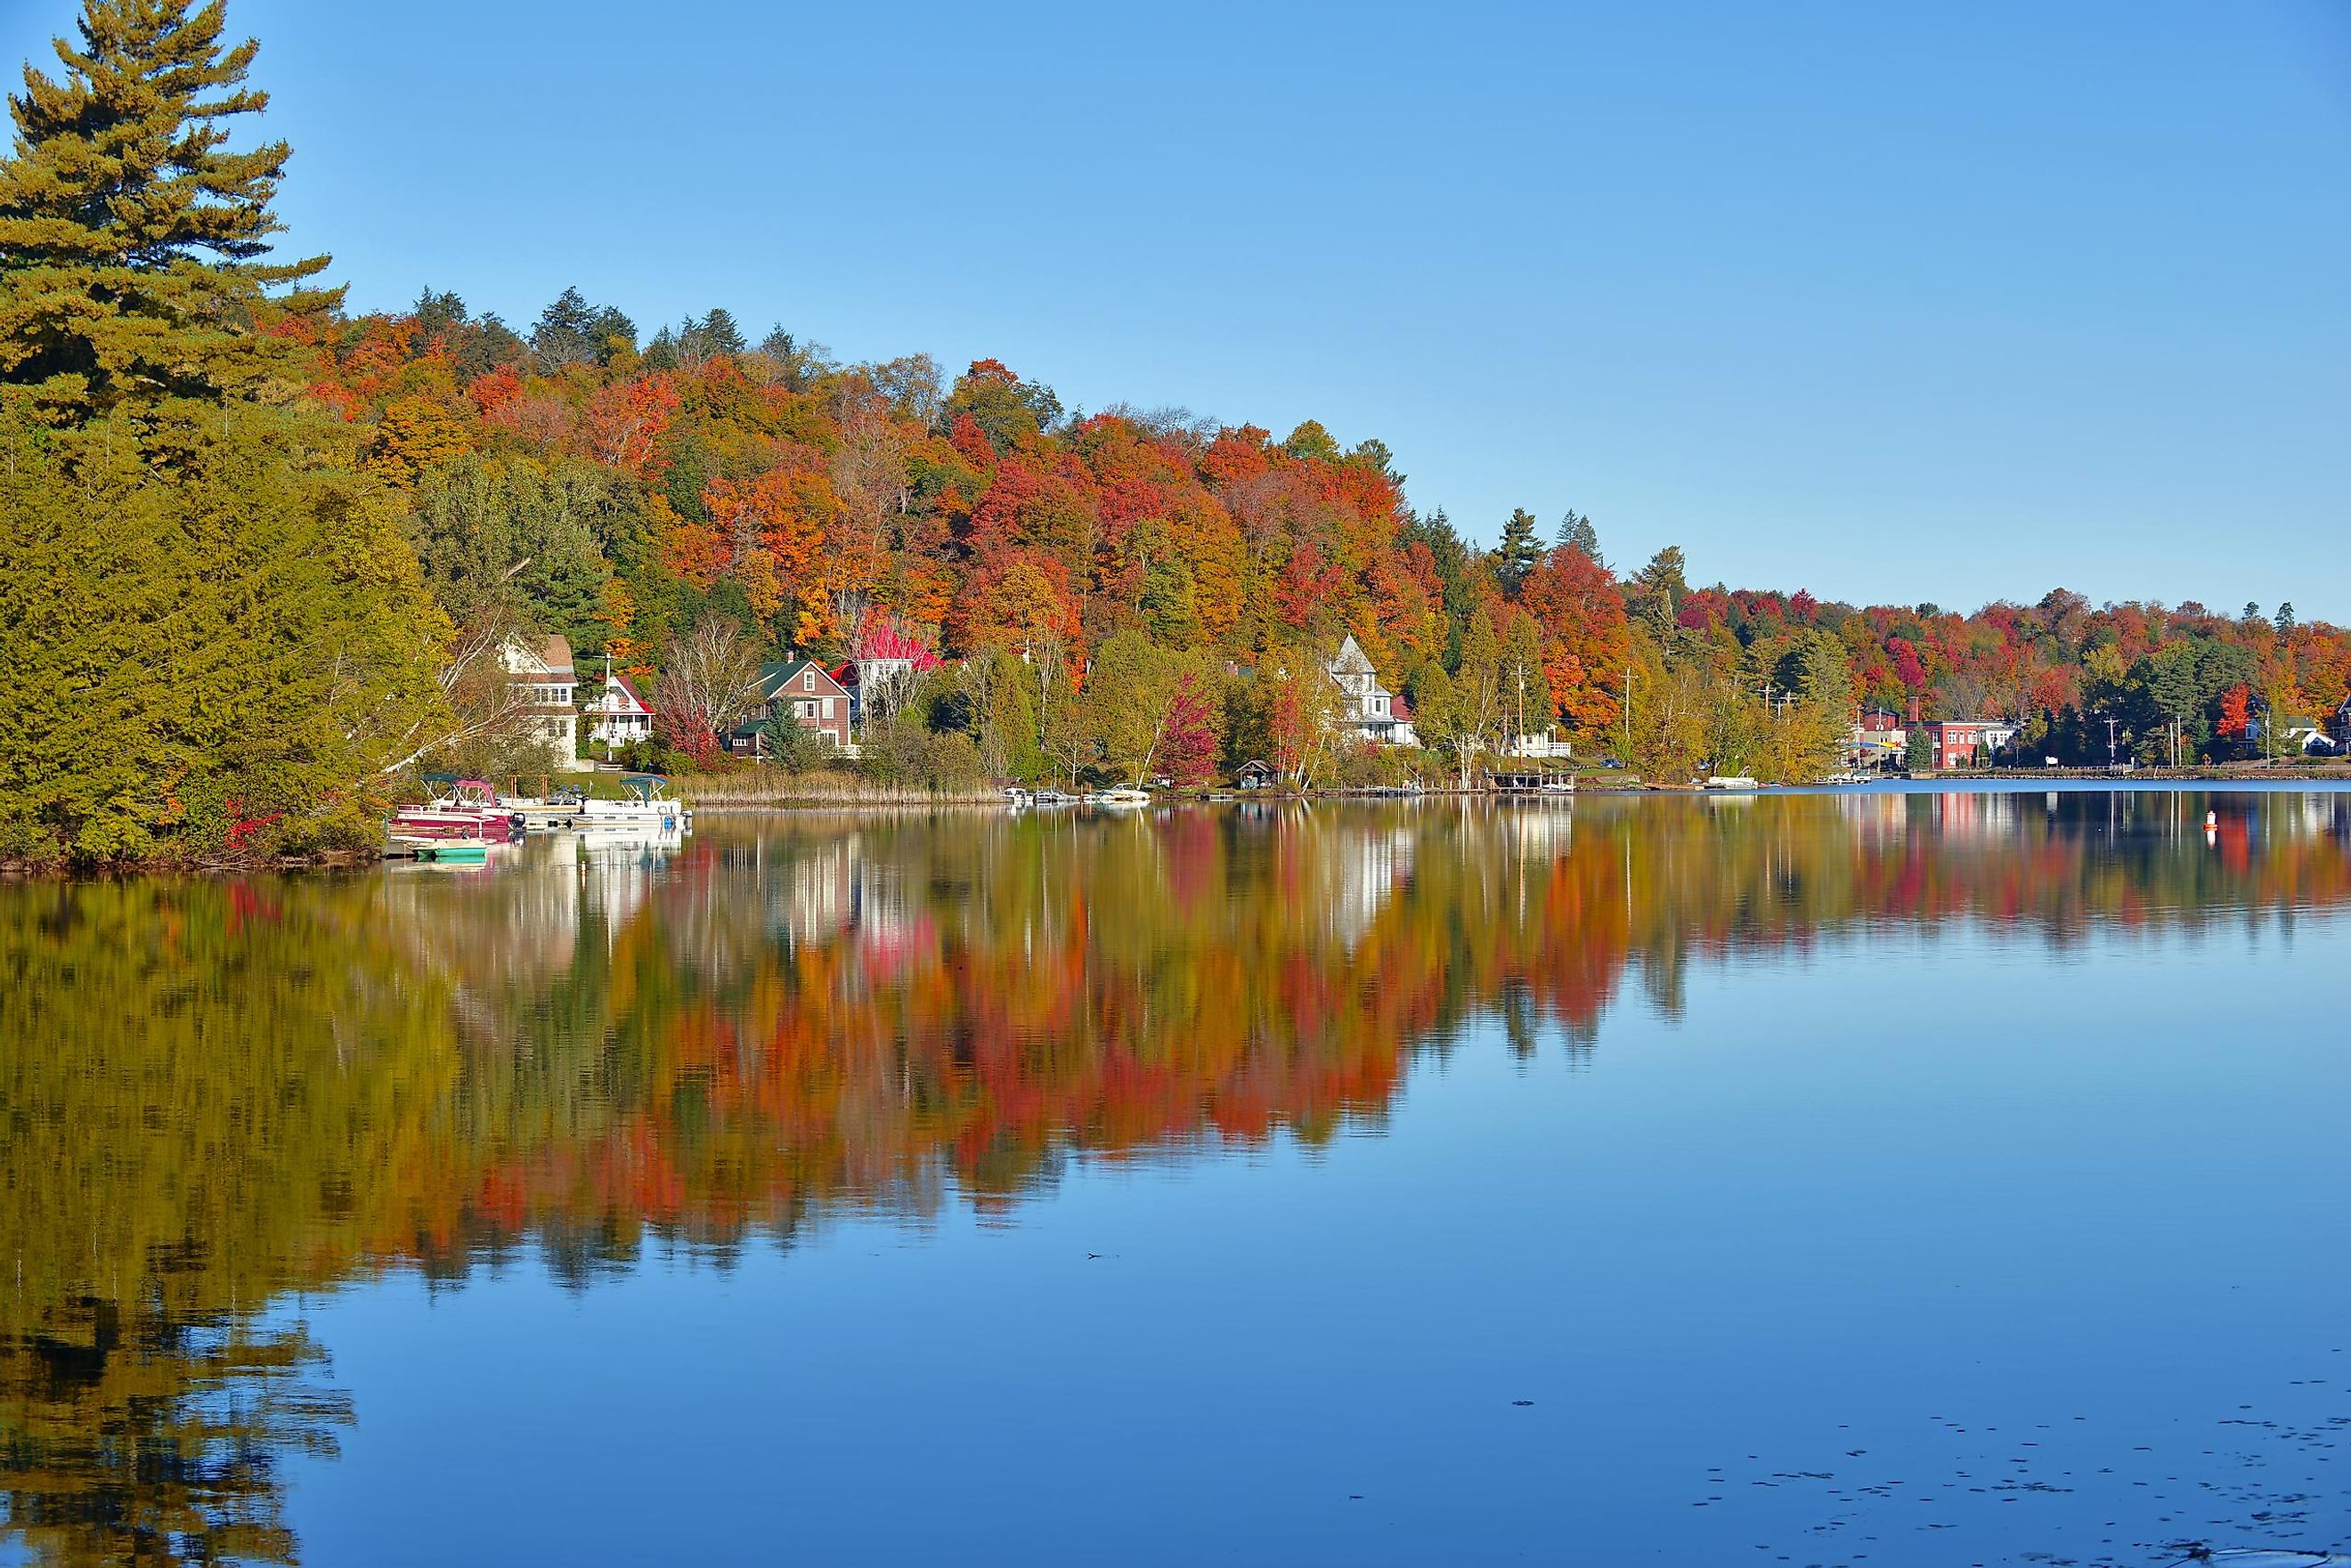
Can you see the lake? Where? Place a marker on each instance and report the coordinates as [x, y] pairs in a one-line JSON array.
[[1892, 1176]]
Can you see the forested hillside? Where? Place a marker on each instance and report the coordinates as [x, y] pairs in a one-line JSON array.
[[655, 478], [260, 553]]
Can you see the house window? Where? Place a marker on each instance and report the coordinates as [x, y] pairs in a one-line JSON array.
[[808, 681]]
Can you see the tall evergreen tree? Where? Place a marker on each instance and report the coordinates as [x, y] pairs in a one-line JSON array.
[[1516, 554], [132, 241], [571, 331], [1576, 533]]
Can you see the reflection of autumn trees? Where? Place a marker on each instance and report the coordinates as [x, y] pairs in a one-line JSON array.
[[134, 1435], [216, 1093]]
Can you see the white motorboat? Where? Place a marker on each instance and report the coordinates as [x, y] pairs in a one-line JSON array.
[[649, 806]]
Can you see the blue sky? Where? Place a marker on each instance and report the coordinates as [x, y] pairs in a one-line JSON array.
[[1890, 302]]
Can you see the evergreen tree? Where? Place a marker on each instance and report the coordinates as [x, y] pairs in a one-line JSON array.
[[237, 637], [436, 314], [571, 331], [1657, 592], [1516, 554], [1576, 533], [131, 241], [720, 331], [1455, 571], [516, 544]]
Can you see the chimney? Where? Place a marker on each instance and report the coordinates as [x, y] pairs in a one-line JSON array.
[[1914, 712]]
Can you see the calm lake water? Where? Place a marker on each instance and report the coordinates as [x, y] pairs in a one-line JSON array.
[[1884, 1177]]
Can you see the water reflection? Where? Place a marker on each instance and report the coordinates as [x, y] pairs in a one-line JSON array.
[[217, 1095]]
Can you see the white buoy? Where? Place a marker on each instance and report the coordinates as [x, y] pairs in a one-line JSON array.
[[2211, 820]]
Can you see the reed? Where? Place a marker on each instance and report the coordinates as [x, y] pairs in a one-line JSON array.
[[773, 786]]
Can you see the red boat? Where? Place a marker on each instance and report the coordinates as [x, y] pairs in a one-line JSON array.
[[460, 809]]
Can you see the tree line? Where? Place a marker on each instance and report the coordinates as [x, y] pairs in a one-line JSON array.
[[263, 553]]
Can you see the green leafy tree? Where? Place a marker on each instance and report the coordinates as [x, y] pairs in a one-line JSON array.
[[1311, 440], [133, 244], [1437, 712], [1525, 687], [1130, 691], [1006, 409]]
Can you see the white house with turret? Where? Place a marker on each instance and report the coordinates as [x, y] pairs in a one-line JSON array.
[[1366, 709]]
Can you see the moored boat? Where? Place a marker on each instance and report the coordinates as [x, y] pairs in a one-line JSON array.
[[460, 809], [650, 805]]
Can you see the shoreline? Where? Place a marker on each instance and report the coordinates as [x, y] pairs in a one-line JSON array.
[[2260, 778]]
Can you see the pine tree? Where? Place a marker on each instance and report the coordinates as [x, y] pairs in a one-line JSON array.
[[1516, 554], [1576, 533], [724, 335], [238, 635], [132, 240]]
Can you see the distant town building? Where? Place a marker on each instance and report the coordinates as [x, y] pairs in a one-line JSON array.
[[1877, 739], [1367, 710], [1968, 742]]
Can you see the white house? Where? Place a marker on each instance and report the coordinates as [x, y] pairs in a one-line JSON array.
[[1367, 710], [619, 716], [541, 671]]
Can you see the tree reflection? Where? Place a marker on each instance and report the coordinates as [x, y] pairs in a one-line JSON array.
[[217, 1095]]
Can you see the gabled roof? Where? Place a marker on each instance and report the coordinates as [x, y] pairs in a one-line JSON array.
[[545, 658], [621, 681], [1351, 658], [774, 678]]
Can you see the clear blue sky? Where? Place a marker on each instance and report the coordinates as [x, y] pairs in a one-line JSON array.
[[1889, 302]]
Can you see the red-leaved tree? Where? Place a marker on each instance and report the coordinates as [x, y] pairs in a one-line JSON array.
[[1188, 746], [2236, 710]]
